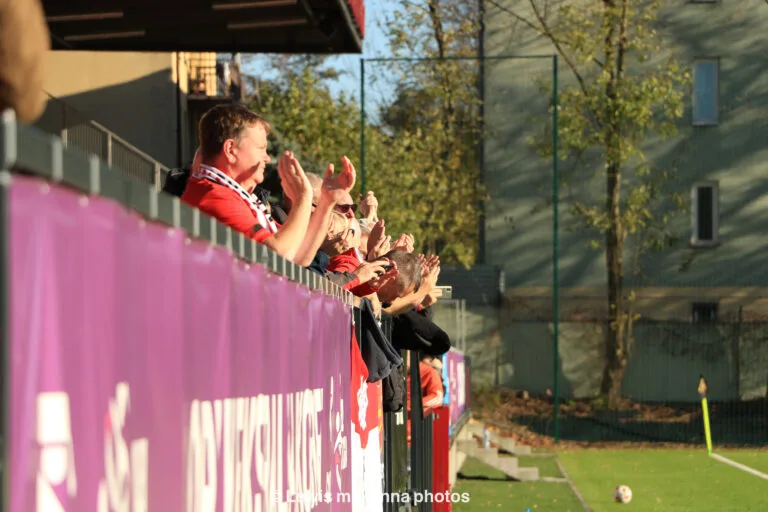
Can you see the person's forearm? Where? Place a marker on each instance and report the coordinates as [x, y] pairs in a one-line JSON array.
[[407, 303], [316, 233], [287, 241]]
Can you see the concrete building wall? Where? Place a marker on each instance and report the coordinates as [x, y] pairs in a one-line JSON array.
[[670, 351], [733, 153], [132, 94]]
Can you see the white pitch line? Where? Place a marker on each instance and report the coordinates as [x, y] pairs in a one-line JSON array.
[[578, 494], [739, 466]]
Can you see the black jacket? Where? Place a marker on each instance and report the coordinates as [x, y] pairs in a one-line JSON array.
[[176, 182], [416, 331], [380, 357]]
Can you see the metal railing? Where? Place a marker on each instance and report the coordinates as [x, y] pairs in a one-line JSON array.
[[421, 437], [77, 130]]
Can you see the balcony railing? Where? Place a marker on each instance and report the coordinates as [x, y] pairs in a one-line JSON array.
[[78, 131], [215, 78]]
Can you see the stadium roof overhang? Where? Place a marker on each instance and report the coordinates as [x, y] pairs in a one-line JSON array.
[[259, 26]]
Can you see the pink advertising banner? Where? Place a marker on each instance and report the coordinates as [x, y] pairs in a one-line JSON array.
[[458, 387], [149, 372]]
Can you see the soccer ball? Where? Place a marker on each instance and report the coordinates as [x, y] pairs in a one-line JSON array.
[[622, 494]]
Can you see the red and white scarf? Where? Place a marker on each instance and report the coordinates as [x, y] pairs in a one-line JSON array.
[[262, 214]]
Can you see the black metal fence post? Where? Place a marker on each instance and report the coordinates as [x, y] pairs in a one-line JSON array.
[[8, 155], [421, 440]]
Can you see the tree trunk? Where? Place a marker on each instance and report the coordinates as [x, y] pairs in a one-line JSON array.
[[619, 327], [615, 356]]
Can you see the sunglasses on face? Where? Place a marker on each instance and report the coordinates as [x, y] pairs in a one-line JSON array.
[[344, 208]]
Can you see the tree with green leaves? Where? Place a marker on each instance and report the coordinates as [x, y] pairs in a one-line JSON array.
[[434, 121], [422, 167], [306, 117], [620, 95]]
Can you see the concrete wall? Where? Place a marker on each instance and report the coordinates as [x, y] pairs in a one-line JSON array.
[[132, 94], [668, 356], [734, 153], [483, 340], [657, 303], [665, 363]]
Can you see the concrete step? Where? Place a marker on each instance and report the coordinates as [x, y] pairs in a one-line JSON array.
[[478, 430], [509, 465], [527, 474], [506, 444], [472, 448], [475, 428], [517, 449], [467, 445]]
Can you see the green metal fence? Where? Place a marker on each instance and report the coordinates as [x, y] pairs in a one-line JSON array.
[[660, 402], [544, 376]]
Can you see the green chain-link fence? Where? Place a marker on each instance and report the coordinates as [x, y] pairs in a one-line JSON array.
[[545, 375]]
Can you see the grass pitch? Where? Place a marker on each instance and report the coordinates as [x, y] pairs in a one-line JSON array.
[[668, 480]]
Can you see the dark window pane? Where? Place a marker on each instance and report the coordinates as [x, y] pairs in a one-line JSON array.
[[704, 312], [706, 209]]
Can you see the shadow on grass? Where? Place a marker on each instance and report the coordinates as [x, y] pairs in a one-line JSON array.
[[462, 476]]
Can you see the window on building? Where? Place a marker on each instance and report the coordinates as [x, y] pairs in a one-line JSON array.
[[705, 92], [704, 312], [704, 214]]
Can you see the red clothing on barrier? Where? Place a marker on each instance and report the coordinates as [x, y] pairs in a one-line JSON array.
[[361, 290], [431, 387], [431, 391], [364, 403], [441, 458], [227, 207]]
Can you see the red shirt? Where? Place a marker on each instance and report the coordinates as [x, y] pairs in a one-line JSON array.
[[226, 206], [431, 387], [365, 404], [348, 262], [431, 391], [345, 262]]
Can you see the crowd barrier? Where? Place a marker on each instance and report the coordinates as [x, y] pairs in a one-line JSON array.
[[154, 361]]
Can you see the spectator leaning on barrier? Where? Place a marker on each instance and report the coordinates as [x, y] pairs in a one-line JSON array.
[[366, 276], [233, 146], [413, 328], [420, 296], [408, 277]]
